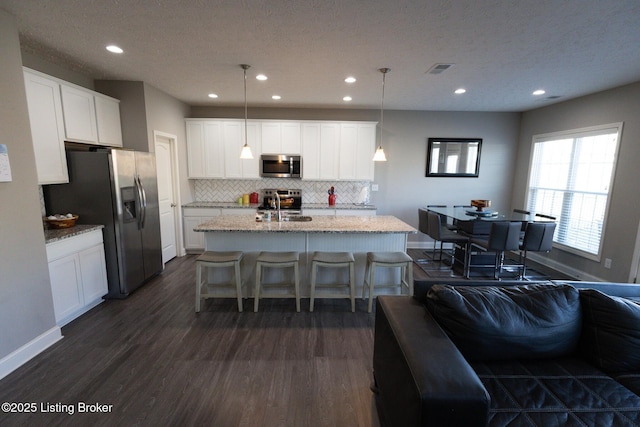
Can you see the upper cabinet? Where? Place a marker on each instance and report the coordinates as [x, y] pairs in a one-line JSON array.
[[280, 137], [330, 150], [47, 128], [59, 112]]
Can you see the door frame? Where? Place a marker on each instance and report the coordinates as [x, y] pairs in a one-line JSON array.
[[175, 182]]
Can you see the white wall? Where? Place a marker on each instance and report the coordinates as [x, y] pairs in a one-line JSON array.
[[26, 304], [616, 105]]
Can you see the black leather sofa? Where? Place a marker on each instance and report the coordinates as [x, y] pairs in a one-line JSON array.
[[537, 354]]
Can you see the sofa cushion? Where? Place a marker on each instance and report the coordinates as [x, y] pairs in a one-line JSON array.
[[611, 332], [511, 322], [555, 392]]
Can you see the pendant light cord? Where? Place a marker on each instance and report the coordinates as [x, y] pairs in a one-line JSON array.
[[246, 140]]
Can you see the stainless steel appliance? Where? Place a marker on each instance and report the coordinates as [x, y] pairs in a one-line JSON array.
[[280, 166], [117, 188], [290, 201]]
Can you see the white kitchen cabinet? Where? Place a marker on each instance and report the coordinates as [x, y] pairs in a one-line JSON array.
[[205, 149], [79, 111], [233, 138], [310, 150], [78, 275], [357, 146], [280, 137], [328, 159], [47, 128], [108, 121], [192, 217]]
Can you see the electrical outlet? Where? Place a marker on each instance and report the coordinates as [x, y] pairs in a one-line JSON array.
[[607, 263], [374, 187]]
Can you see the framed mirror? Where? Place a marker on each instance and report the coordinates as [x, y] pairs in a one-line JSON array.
[[454, 157]]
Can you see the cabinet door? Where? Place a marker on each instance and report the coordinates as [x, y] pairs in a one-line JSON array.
[[271, 138], [79, 111], [108, 122], [66, 286], [195, 149], [329, 138], [310, 150], [193, 239], [94, 274], [290, 138], [233, 137], [213, 149], [348, 150], [47, 128], [251, 167]]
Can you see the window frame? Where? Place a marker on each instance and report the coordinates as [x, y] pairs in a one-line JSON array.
[[574, 134]]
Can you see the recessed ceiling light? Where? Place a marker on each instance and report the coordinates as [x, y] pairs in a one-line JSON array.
[[261, 77], [350, 79], [538, 92], [212, 95], [460, 91], [115, 49], [347, 98], [276, 97]]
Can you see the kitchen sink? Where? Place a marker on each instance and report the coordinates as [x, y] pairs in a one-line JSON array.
[[297, 218]]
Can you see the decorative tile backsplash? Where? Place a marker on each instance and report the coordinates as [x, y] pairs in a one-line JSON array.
[[228, 190]]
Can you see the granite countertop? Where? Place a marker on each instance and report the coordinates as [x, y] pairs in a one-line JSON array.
[[52, 235], [227, 205], [319, 224]]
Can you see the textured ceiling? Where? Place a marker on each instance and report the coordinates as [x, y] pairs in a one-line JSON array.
[[502, 49]]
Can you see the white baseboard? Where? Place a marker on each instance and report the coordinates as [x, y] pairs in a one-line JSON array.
[[576, 274], [19, 357]]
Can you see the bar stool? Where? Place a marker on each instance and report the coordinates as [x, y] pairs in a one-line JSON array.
[[334, 260], [388, 260], [277, 260], [211, 259]]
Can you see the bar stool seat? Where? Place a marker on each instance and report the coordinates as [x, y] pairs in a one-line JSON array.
[[333, 260], [387, 260], [211, 259], [277, 260]]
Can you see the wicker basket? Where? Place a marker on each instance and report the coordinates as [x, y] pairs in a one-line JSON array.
[[62, 222]]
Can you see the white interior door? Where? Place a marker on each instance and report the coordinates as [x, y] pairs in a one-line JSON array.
[[166, 196]]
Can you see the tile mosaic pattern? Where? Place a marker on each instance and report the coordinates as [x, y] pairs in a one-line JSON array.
[[228, 190]]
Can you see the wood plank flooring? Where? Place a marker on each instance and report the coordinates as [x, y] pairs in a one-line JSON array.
[[159, 363]]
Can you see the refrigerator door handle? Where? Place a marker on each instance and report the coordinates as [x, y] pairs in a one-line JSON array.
[[144, 204], [136, 180]]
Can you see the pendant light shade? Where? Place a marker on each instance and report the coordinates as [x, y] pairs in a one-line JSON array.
[[379, 156], [246, 150]]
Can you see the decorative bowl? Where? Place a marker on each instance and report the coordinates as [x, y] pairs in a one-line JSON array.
[[61, 221]]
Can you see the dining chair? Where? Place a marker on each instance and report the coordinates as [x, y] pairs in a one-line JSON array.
[[538, 237], [545, 216], [503, 236], [524, 223], [442, 234]]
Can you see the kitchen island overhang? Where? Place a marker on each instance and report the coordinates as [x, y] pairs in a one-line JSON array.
[[356, 234]]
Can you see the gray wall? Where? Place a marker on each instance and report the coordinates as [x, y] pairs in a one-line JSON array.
[[403, 187], [26, 304], [617, 105]]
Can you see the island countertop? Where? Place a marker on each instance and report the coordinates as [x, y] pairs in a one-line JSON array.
[[319, 224]]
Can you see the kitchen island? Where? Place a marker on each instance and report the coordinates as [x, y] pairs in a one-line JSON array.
[[356, 234]]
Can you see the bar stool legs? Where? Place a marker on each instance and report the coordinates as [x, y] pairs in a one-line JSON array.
[[277, 260], [387, 260], [334, 260], [210, 259]]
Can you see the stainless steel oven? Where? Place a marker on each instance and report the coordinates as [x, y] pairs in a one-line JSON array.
[[280, 166]]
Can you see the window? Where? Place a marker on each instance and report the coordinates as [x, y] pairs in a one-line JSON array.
[[570, 177]]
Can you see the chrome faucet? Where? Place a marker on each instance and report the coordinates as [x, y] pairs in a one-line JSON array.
[[279, 214]]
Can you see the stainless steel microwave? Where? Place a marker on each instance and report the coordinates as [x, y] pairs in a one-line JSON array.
[[280, 166]]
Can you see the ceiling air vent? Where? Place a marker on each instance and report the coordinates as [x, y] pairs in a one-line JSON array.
[[439, 68]]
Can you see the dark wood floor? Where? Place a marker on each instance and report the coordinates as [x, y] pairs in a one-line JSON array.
[[159, 363]]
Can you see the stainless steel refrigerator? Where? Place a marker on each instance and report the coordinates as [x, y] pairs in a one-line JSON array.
[[117, 188]]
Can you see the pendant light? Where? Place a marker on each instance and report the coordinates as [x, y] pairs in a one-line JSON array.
[[379, 155], [246, 150]]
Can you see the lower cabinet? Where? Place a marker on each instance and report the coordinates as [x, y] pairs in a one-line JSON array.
[[340, 212], [192, 217], [78, 275]]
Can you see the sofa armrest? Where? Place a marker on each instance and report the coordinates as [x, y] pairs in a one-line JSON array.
[[422, 378]]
